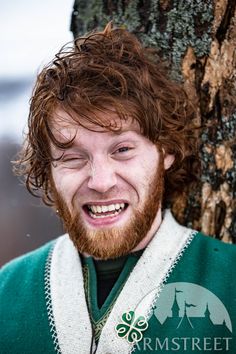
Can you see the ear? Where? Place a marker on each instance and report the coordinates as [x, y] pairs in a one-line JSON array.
[[168, 160]]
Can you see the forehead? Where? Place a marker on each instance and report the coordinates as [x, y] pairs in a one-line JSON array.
[[64, 127]]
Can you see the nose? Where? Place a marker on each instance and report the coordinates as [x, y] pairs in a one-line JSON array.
[[103, 176]]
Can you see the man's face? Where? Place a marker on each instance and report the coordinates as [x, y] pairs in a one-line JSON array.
[[108, 186]]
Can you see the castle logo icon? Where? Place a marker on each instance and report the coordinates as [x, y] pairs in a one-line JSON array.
[[186, 317], [190, 305]]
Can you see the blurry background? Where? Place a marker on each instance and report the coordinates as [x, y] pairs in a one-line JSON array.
[[31, 33]]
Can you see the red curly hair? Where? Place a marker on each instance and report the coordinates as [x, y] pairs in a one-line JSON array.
[[108, 69]]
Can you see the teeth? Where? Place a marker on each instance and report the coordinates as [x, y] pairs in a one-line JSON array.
[[103, 216], [93, 208], [105, 208], [111, 207]]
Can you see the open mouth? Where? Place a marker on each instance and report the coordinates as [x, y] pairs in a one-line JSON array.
[[105, 211]]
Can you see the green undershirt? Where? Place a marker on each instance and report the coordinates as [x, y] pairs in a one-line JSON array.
[[103, 280]]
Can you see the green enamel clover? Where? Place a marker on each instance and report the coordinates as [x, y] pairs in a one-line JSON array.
[[131, 327]]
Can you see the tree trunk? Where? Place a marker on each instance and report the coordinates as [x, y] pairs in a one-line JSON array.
[[198, 39]]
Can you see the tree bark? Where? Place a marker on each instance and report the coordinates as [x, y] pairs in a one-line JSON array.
[[198, 39]]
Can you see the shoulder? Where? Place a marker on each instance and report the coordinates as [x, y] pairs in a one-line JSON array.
[[26, 263], [26, 271], [215, 246], [23, 277], [205, 252], [23, 303], [208, 262]]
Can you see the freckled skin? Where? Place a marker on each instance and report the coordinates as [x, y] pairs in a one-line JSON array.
[[106, 166]]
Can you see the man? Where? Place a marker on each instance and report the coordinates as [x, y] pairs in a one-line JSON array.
[[110, 143]]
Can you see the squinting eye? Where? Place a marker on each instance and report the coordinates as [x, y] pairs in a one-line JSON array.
[[72, 159], [73, 162]]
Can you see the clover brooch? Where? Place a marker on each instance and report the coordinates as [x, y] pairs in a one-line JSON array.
[[131, 327]]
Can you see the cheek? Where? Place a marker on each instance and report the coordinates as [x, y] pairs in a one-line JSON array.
[[67, 183], [146, 173], [139, 175], [149, 166]]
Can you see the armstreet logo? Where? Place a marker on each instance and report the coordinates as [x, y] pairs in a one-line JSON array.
[[185, 317]]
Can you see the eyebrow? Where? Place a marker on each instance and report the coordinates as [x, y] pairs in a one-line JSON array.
[[77, 143]]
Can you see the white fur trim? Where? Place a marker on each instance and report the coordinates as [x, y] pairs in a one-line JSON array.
[[69, 307]]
